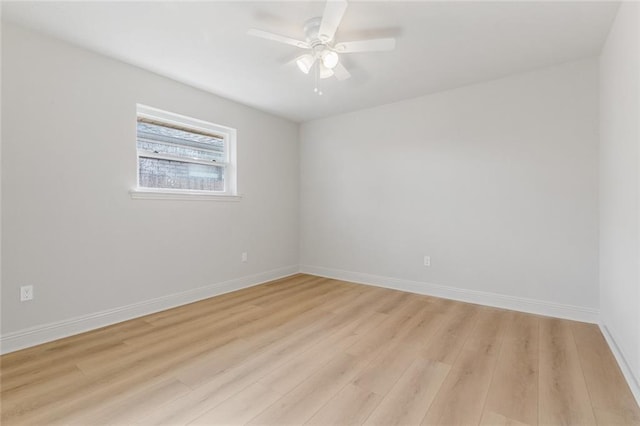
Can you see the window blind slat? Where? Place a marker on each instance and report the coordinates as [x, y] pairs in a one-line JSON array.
[[181, 128]]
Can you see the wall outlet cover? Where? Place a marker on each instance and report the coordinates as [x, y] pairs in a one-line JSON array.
[[26, 293]]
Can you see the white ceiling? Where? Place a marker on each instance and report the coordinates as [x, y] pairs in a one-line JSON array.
[[440, 45]]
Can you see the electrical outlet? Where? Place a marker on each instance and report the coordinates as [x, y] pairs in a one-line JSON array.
[[244, 257], [26, 293], [427, 261]]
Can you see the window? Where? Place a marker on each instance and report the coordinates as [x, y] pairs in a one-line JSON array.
[[182, 156]]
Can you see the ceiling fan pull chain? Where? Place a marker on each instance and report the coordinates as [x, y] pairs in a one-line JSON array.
[[317, 78]]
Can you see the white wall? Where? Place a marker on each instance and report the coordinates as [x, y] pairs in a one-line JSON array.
[[497, 182], [620, 185], [69, 225]]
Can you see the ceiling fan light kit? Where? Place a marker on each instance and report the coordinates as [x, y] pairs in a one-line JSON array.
[[305, 62], [330, 59], [324, 56]]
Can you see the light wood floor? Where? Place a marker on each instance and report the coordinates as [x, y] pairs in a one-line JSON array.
[[309, 350]]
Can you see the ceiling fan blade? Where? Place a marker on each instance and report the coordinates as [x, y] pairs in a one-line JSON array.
[[341, 72], [279, 38], [373, 45], [333, 13]]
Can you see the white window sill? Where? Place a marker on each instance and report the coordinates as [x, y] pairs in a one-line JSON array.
[[178, 194]]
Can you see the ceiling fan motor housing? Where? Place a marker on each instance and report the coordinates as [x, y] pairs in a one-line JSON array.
[[311, 32]]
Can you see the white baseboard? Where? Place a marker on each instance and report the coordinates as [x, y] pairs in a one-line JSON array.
[[632, 380], [539, 307], [48, 332]]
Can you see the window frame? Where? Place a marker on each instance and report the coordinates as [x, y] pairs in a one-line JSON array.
[[228, 136]]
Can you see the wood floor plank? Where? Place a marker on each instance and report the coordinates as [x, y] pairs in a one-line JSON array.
[[608, 390], [129, 406], [514, 388], [350, 406], [396, 327], [301, 403], [393, 301], [241, 407], [165, 356], [394, 358], [237, 298], [446, 344], [199, 339], [371, 296], [562, 392], [277, 295], [298, 368], [278, 349], [67, 350], [207, 338], [79, 397], [36, 377], [491, 418], [210, 392], [20, 403], [181, 411], [324, 332], [168, 329], [613, 418], [323, 351], [410, 398], [462, 396]]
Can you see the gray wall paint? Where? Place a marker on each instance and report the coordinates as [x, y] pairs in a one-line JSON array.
[[620, 183], [69, 160], [497, 182]]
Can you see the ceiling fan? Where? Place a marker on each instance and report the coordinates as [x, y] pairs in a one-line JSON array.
[[323, 52]]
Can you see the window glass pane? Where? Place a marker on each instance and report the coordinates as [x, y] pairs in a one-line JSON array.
[[155, 173], [181, 151]]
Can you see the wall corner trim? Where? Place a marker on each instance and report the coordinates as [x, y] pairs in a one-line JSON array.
[[632, 381], [32, 336], [532, 306]]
